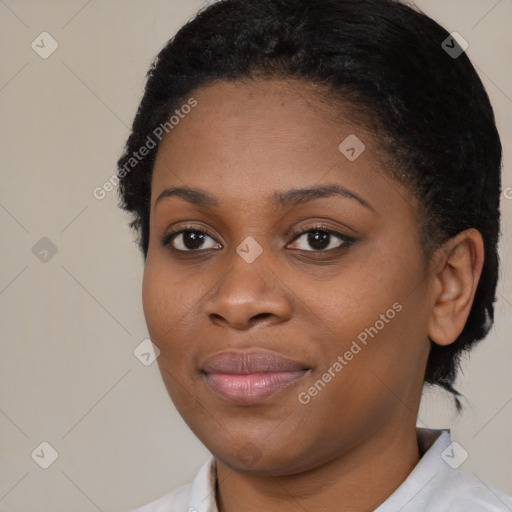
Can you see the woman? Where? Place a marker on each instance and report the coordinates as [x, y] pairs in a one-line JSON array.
[[316, 186]]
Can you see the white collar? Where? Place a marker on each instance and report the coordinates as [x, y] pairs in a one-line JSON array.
[[435, 485]]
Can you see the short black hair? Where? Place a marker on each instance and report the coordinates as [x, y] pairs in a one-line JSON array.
[[434, 119]]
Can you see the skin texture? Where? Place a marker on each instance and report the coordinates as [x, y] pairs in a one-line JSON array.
[[242, 143]]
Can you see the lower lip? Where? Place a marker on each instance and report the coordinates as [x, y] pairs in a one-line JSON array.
[[252, 388]]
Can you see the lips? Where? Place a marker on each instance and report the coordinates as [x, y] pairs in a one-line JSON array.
[[245, 363], [249, 377]]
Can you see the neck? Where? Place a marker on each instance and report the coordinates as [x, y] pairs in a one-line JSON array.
[[357, 480]]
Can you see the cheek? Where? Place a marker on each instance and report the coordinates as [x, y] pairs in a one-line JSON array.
[[354, 299], [164, 305], [368, 314], [172, 304], [379, 352], [166, 297], [165, 315], [157, 304]]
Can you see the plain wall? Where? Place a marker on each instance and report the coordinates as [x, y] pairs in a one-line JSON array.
[[68, 328]]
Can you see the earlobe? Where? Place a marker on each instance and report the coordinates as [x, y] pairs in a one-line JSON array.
[[457, 270]]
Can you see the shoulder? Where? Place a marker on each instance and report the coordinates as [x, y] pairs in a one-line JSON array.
[[460, 492], [197, 496], [438, 485], [172, 501]]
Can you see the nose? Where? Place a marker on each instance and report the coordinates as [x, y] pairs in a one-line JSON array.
[[249, 294]]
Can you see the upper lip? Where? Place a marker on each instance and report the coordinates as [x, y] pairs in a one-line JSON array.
[[250, 361]]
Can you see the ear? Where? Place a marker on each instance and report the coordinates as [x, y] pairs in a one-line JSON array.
[[457, 269]]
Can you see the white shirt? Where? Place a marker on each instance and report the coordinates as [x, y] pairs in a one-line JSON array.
[[434, 485]]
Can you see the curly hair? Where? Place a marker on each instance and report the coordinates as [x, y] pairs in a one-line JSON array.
[[427, 108]]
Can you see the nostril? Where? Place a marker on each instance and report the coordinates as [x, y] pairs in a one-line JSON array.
[[261, 316]]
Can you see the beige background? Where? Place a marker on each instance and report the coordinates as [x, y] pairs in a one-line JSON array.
[[68, 375]]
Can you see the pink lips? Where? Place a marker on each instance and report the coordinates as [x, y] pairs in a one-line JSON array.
[[251, 376]]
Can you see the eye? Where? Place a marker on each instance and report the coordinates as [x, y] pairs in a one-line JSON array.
[[320, 238], [189, 240]]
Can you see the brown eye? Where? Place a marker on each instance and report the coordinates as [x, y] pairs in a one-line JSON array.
[[321, 240], [190, 240]]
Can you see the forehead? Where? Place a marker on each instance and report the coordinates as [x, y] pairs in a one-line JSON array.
[[245, 140]]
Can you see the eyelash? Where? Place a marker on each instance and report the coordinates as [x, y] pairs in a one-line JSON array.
[[295, 233]]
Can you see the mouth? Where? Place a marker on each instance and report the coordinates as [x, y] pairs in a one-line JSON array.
[[249, 377]]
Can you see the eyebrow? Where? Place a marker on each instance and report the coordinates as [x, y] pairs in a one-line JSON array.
[[284, 199]]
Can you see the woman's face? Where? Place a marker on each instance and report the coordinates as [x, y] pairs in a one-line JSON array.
[[239, 287]]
